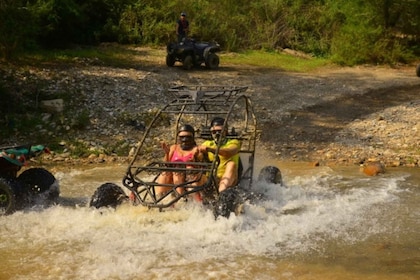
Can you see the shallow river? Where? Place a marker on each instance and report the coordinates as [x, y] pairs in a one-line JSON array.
[[325, 224]]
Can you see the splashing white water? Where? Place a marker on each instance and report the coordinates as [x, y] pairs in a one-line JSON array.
[[79, 242]]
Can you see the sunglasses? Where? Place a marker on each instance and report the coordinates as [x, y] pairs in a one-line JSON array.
[[216, 131], [185, 137]]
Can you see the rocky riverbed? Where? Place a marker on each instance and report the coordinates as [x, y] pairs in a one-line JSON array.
[[332, 116]]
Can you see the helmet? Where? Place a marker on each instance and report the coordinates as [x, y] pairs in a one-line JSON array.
[[217, 121], [183, 14], [187, 127]]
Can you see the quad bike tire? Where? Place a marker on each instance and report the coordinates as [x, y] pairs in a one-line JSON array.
[[418, 70], [108, 195], [12, 196], [188, 62], [38, 181], [170, 60], [212, 61]]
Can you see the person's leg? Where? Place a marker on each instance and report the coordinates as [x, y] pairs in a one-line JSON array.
[[200, 179], [164, 178], [179, 178], [230, 176]]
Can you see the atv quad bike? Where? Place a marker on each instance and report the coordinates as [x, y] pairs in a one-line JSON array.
[[191, 53], [195, 105], [32, 186]]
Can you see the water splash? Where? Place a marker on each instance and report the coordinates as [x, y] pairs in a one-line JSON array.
[[299, 218]]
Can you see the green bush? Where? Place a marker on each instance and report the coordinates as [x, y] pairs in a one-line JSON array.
[[17, 28], [350, 46], [389, 29]]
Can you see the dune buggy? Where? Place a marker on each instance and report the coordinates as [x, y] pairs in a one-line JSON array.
[[32, 186], [191, 53], [195, 105]]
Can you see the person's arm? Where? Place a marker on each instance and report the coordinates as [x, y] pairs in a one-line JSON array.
[[228, 151], [177, 28], [169, 151], [199, 155]]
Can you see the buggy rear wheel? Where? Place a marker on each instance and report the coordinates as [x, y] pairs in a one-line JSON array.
[[170, 60], [270, 174], [40, 180], [107, 195], [188, 62], [212, 61]]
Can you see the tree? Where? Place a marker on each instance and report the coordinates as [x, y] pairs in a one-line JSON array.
[[17, 28]]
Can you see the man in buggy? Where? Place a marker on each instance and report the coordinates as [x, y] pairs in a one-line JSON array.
[[227, 171]]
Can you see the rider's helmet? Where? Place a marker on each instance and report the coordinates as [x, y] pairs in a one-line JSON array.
[[218, 135], [217, 121], [187, 142], [187, 127]]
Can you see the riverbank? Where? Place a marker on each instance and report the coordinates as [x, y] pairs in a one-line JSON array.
[[340, 116]]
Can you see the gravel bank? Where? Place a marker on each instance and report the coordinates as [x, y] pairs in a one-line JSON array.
[[338, 115]]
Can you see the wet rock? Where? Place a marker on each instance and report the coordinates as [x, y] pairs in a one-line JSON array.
[[373, 168]]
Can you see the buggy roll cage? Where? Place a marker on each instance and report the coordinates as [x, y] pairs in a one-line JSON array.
[[195, 105]]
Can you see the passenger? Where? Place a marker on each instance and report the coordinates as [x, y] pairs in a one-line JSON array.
[[227, 172], [186, 151]]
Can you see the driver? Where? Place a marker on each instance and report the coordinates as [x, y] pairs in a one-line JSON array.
[[227, 171]]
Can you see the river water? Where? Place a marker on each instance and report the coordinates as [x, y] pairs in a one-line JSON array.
[[327, 223]]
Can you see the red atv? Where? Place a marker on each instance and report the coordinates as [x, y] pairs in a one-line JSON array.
[[32, 186]]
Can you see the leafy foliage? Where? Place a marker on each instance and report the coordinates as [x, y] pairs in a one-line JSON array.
[[350, 32]]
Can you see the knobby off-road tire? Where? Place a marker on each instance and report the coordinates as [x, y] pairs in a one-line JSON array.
[[108, 195], [7, 198], [188, 63], [12, 196], [270, 174], [38, 181], [170, 60], [212, 61]]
